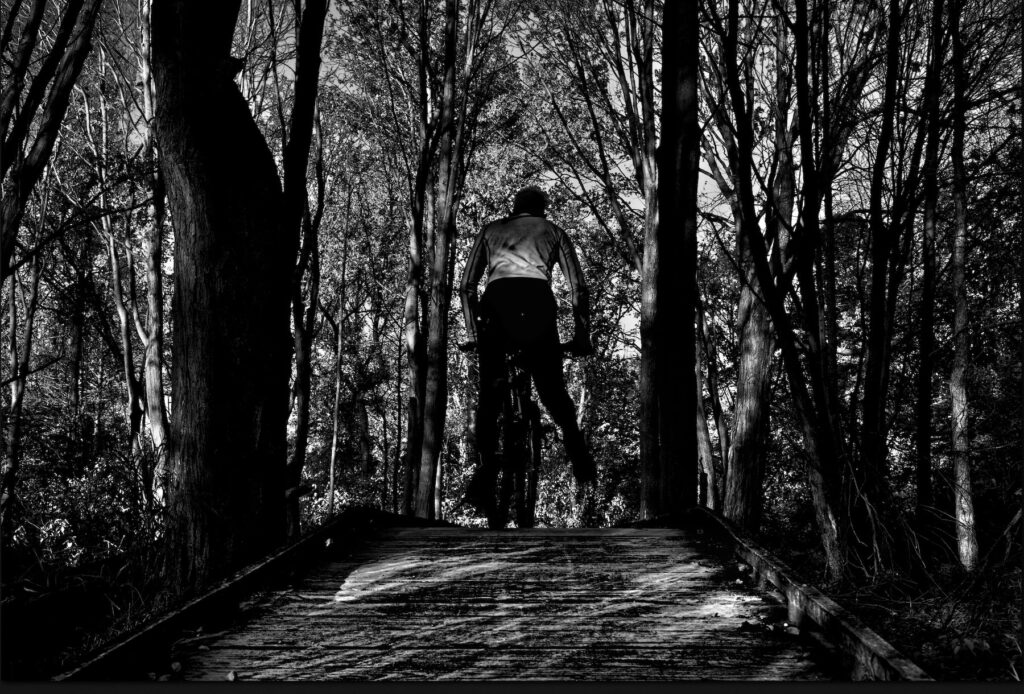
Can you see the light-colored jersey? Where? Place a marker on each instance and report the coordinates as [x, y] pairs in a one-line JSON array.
[[520, 246]]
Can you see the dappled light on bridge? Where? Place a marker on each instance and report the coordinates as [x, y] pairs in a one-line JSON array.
[[446, 603]]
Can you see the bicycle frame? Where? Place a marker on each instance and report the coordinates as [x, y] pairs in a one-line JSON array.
[[520, 440]]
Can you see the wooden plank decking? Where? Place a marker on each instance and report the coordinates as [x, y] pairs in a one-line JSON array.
[[417, 604]]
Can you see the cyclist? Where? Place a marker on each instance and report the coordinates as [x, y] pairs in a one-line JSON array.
[[518, 311]]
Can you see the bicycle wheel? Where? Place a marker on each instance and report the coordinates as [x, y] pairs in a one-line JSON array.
[[505, 481], [534, 439], [522, 452]]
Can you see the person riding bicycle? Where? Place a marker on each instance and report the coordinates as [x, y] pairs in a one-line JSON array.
[[518, 312]]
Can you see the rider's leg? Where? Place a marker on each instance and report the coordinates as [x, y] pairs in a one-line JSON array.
[[480, 491], [550, 381]]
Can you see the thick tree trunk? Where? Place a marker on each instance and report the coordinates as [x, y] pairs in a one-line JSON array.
[[640, 37], [745, 464], [966, 536], [678, 158], [233, 264], [452, 125], [415, 346]]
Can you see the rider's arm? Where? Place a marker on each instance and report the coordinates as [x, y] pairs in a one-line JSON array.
[[474, 270], [579, 296]]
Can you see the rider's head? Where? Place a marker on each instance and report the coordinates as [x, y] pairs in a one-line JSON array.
[[530, 200]]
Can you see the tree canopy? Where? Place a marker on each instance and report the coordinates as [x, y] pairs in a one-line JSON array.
[[230, 235]]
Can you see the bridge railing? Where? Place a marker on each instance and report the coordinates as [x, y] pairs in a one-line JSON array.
[[862, 652]]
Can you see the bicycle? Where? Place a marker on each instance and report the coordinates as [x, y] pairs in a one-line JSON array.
[[519, 446], [520, 441]]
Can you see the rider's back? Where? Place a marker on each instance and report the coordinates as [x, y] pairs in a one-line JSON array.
[[521, 246]]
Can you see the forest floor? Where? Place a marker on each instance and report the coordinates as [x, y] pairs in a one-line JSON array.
[[957, 627]]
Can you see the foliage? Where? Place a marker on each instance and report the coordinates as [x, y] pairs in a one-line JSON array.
[[554, 104]]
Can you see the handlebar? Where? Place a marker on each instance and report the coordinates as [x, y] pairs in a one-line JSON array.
[[565, 348]]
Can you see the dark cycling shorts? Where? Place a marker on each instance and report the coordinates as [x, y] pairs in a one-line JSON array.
[[519, 313]]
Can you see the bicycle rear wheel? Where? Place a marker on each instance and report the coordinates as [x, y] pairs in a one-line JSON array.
[[534, 439], [525, 456], [505, 487]]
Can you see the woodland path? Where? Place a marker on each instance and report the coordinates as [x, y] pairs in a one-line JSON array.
[[420, 604]]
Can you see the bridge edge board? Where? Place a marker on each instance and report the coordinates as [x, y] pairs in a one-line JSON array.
[[875, 658]]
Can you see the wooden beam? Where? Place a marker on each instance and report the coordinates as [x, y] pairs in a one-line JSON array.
[[868, 656]]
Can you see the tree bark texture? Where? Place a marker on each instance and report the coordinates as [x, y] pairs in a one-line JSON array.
[[744, 477], [744, 465], [435, 402], [234, 260], [678, 159], [303, 324], [301, 222], [640, 37], [926, 368], [966, 536], [153, 331]]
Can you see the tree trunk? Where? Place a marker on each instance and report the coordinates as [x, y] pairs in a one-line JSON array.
[[62, 65], [300, 222], [873, 469], [156, 409], [19, 359], [678, 159], [452, 126], [234, 259], [923, 434], [396, 500], [709, 493], [824, 449], [134, 391], [967, 541], [706, 333], [303, 317], [745, 464], [652, 459]]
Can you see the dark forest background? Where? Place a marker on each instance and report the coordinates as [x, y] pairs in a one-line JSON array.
[[230, 232]]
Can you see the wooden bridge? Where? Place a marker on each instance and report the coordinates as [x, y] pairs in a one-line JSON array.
[[363, 601]]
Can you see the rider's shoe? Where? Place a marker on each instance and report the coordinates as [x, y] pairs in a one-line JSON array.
[[480, 491], [584, 469]]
